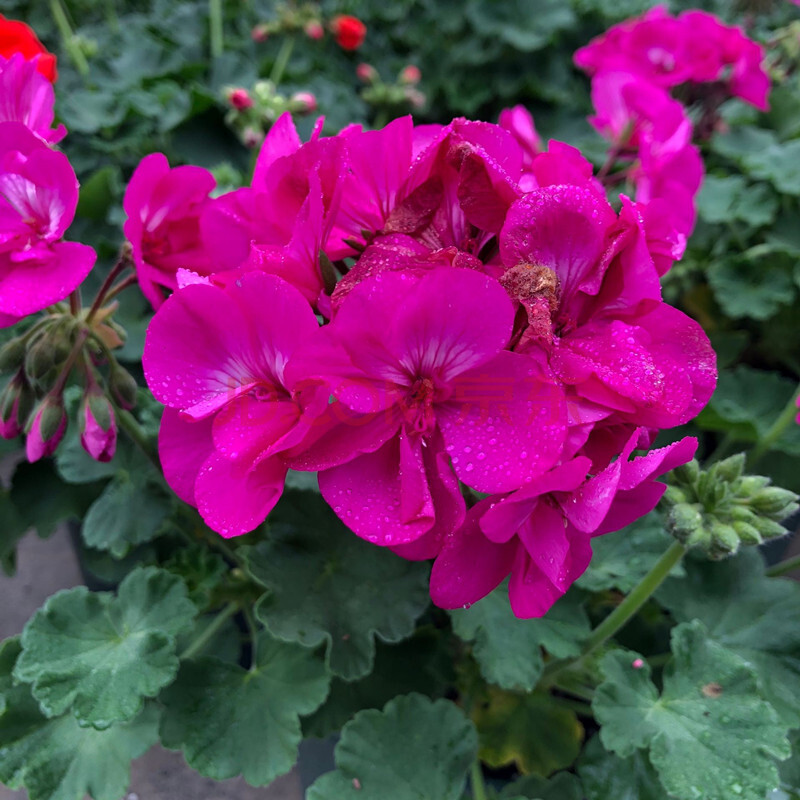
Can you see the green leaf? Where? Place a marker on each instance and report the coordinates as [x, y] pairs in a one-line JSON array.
[[754, 288], [414, 749], [327, 585], [709, 733], [732, 199], [606, 776], [231, 721], [200, 569], [509, 650], [623, 558], [510, 728], [44, 501], [130, 510], [100, 654], [511, 21], [747, 402], [420, 664], [58, 759], [756, 617], [563, 786]]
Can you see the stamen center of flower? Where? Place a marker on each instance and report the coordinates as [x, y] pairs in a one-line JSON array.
[[418, 405]]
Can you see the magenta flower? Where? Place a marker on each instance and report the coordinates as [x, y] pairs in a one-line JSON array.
[[38, 197], [424, 384], [593, 302], [26, 96], [519, 123], [216, 356], [542, 533], [669, 51], [281, 222], [163, 205]]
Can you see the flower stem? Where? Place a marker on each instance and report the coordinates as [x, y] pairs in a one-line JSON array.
[[476, 781], [776, 430], [215, 27], [622, 614], [121, 286], [210, 631], [136, 433], [122, 263], [68, 37], [282, 60], [782, 567]]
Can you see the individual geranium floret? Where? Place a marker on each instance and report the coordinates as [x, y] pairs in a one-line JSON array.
[[282, 221], [593, 301], [422, 381], [518, 121], [216, 356], [38, 198], [542, 533], [28, 97], [163, 205]]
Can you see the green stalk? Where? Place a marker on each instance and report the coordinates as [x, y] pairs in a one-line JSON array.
[[282, 60], [136, 433], [208, 634], [476, 781], [215, 27], [68, 37], [781, 568], [622, 614], [776, 430]]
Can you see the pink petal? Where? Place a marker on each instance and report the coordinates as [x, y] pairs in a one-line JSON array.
[[183, 448], [504, 424], [235, 498]]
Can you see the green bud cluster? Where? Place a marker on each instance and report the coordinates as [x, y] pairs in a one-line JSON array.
[[721, 509]]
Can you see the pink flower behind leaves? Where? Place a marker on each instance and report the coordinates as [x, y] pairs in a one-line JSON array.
[[668, 51], [542, 533], [26, 96], [216, 356], [38, 198], [163, 205], [424, 388]]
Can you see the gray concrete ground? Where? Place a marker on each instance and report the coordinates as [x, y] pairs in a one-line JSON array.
[[45, 567]]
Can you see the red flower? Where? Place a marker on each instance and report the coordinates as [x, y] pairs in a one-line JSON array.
[[348, 31], [17, 37]]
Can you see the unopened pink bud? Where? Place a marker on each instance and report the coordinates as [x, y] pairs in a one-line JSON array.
[[637, 663], [260, 33], [366, 73], [410, 75], [98, 426], [240, 99], [305, 101], [252, 138], [314, 29], [47, 429]]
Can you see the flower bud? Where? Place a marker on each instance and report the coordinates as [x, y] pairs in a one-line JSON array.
[[98, 426], [748, 533], [774, 502], [47, 429], [260, 33], [366, 73], [730, 469], [724, 541], [410, 75], [683, 520], [314, 29], [12, 354], [768, 528], [123, 387], [687, 473], [348, 31], [239, 98], [16, 403], [305, 102], [252, 138]]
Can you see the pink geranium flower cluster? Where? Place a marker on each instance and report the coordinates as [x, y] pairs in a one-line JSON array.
[[633, 67], [454, 328]]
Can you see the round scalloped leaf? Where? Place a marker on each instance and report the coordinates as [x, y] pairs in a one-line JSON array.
[[605, 775], [508, 649], [231, 721], [710, 734], [58, 759], [415, 749], [100, 654], [327, 585], [756, 617]]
